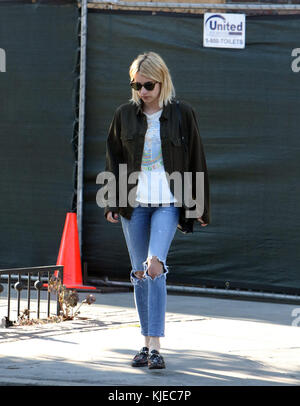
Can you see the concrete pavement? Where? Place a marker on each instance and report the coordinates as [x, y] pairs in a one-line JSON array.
[[209, 341]]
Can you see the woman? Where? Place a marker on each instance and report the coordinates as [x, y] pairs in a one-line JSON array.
[[146, 137]]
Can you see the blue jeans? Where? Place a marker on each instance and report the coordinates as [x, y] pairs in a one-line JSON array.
[[149, 233]]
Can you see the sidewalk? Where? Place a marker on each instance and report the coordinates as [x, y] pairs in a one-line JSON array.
[[209, 341]]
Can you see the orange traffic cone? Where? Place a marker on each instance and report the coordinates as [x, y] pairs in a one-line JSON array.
[[69, 255]]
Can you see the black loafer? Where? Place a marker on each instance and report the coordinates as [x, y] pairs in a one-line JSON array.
[[141, 358], [155, 360]]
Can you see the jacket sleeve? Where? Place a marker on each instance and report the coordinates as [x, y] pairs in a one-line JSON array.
[[197, 163], [114, 156]]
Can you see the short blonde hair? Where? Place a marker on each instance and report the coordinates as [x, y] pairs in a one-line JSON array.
[[151, 65]]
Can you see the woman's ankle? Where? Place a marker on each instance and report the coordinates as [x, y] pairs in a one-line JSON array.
[[154, 344], [147, 342]]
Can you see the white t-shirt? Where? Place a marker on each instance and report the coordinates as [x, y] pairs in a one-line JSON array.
[[152, 182]]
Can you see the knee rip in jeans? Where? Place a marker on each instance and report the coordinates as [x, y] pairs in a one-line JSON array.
[[137, 277], [153, 271], [154, 267]]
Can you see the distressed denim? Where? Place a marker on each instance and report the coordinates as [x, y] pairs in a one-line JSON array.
[[149, 233]]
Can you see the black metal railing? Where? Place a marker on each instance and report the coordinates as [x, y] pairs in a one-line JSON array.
[[29, 278]]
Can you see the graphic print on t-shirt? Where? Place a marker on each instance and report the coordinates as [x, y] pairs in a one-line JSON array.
[[152, 157]]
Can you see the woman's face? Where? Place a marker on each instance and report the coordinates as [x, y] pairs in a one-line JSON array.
[[150, 97]]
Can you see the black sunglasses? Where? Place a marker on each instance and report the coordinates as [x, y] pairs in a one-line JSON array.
[[148, 85]]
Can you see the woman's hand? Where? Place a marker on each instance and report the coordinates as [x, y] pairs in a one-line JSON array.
[[112, 217], [202, 222]]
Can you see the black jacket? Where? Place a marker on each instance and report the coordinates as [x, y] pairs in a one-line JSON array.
[[125, 144]]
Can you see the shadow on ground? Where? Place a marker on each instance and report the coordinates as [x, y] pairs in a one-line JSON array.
[[184, 368]]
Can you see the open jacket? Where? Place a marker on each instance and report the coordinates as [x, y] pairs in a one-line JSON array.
[[125, 144]]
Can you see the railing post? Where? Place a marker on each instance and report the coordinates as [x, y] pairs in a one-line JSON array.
[[8, 295], [48, 297], [18, 287], [28, 292]]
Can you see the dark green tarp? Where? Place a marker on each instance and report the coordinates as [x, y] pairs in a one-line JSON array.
[[37, 118], [247, 102]]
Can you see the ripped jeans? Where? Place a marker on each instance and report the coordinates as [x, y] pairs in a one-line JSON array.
[[149, 233]]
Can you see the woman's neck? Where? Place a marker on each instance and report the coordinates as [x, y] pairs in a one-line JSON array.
[[150, 109]]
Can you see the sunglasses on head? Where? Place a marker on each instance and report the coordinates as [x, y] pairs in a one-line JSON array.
[[148, 85]]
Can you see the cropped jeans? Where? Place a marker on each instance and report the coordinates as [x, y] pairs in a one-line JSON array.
[[149, 233]]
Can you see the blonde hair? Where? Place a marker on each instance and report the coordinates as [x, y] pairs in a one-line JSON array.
[[151, 65]]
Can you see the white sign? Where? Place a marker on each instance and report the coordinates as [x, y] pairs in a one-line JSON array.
[[224, 30]]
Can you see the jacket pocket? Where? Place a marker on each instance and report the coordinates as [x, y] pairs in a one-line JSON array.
[[126, 135], [176, 141]]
